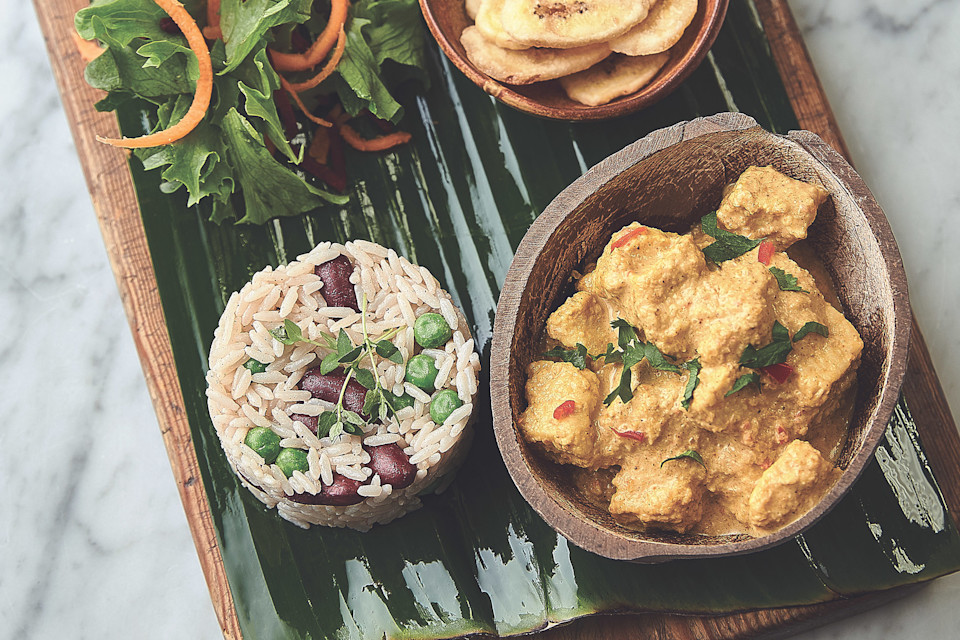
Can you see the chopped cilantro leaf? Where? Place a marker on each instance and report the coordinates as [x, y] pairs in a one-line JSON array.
[[743, 382], [786, 281], [773, 353], [577, 357], [811, 327], [689, 453], [728, 245], [694, 368]]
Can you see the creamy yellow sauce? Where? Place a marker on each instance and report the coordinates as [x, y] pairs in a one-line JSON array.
[[767, 450]]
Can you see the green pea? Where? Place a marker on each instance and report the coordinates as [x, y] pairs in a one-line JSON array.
[[400, 402], [421, 371], [255, 366], [265, 442], [290, 460], [431, 331], [443, 404]]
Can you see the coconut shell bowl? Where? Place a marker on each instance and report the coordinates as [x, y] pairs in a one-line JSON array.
[[669, 180], [448, 18]]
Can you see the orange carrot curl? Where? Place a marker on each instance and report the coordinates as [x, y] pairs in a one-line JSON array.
[[319, 49], [201, 97], [296, 99], [89, 49], [380, 143], [327, 68], [212, 30]]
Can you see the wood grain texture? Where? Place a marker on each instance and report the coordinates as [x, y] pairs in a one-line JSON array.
[[681, 172], [112, 192], [448, 18], [111, 189]]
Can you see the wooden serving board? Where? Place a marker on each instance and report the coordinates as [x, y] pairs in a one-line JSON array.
[[112, 192]]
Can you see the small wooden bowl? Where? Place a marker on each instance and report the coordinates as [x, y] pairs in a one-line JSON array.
[[669, 180], [448, 18]]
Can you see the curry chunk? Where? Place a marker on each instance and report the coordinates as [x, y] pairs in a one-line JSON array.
[[655, 405], [668, 497], [572, 438], [791, 485], [584, 318], [764, 203]]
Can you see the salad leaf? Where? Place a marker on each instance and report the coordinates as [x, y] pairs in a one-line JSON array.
[[121, 68], [245, 24], [361, 86], [268, 188], [196, 162], [395, 33]]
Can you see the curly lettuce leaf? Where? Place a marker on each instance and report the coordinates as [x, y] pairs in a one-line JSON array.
[[245, 24], [121, 68], [196, 162], [269, 189]]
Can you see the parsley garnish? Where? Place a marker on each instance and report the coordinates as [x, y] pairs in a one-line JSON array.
[[577, 357], [694, 368], [689, 453], [744, 381], [811, 327], [728, 245], [786, 281]]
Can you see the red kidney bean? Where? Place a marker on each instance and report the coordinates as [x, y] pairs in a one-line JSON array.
[[341, 493], [392, 464], [337, 289], [327, 387], [310, 422]]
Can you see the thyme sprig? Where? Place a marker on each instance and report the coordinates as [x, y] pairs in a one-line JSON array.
[[343, 353]]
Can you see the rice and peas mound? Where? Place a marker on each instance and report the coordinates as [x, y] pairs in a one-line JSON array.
[[305, 423]]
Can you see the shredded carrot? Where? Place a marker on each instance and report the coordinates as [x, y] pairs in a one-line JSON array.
[[212, 30], [319, 49], [327, 68], [201, 96], [296, 99], [89, 49], [320, 146], [380, 143], [337, 115]]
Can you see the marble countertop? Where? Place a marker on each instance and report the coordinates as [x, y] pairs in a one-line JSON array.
[[98, 545]]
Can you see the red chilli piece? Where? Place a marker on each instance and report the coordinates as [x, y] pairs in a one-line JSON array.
[[779, 372], [627, 237], [766, 252], [633, 435], [565, 410]]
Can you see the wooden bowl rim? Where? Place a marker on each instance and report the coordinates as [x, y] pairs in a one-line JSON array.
[[585, 533], [659, 88]]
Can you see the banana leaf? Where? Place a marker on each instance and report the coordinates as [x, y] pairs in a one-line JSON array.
[[477, 558]]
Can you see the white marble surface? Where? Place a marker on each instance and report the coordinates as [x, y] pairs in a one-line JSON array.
[[94, 539]]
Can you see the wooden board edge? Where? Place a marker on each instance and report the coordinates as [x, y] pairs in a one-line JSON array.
[[111, 189], [921, 387]]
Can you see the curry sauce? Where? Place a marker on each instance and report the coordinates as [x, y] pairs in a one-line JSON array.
[[719, 376]]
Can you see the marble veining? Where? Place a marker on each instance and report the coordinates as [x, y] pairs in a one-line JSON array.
[[94, 539]]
